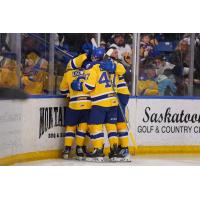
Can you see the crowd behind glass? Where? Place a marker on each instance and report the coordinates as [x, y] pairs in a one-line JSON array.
[[164, 61]]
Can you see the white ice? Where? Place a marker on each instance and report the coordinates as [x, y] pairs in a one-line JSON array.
[[142, 160]]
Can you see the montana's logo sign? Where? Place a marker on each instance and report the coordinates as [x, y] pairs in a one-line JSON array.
[[50, 117]]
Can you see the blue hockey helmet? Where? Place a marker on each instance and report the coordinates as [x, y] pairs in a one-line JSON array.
[[98, 53]]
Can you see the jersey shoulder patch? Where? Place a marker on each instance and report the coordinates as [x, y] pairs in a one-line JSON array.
[[91, 65]]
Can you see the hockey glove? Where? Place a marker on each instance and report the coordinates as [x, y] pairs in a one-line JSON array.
[[77, 85], [108, 66]]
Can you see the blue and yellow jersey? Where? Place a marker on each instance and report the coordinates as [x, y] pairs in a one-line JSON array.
[[122, 87], [77, 62], [147, 88], [36, 83], [120, 82], [98, 85], [79, 100]]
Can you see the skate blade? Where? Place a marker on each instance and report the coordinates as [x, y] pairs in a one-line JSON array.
[[89, 159], [126, 159], [80, 158], [98, 159], [114, 159]]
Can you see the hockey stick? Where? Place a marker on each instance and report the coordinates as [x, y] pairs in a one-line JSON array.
[[94, 44], [123, 115]]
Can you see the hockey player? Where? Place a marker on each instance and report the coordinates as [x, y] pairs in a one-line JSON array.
[[78, 110], [104, 106], [123, 94]]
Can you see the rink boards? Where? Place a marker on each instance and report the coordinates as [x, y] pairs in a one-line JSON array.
[[34, 129]]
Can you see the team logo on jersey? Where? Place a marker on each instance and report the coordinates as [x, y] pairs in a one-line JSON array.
[[78, 73]]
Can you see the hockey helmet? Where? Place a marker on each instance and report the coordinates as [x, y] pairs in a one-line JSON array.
[[98, 53]]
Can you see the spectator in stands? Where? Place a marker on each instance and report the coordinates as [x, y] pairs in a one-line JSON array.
[[162, 65], [165, 77], [103, 44], [160, 37], [35, 75], [9, 71], [124, 49], [124, 53], [31, 58], [4, 38], [166, 86], [146, 47], [180, 58], [153, 41], [29, 43], [147, 85], [128, 75], [197, 67]]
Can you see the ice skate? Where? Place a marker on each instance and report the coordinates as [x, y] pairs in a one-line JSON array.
[[113, 155], [80, 153], [66, 152], [123, 154], [96, 156]]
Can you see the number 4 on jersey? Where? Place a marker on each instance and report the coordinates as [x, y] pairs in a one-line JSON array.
[[104, 79]]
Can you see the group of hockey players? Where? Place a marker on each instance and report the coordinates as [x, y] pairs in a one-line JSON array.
[[97, 96]]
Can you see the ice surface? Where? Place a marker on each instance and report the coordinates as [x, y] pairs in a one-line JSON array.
[[142, 160]]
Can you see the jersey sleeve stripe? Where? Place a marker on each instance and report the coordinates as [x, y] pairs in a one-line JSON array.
[[121, 85], [80, 98], [89, 87], [121, 78], [63, 92], [73, 65], [104, 96]]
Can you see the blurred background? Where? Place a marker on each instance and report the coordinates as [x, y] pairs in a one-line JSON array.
[[157, 64]]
